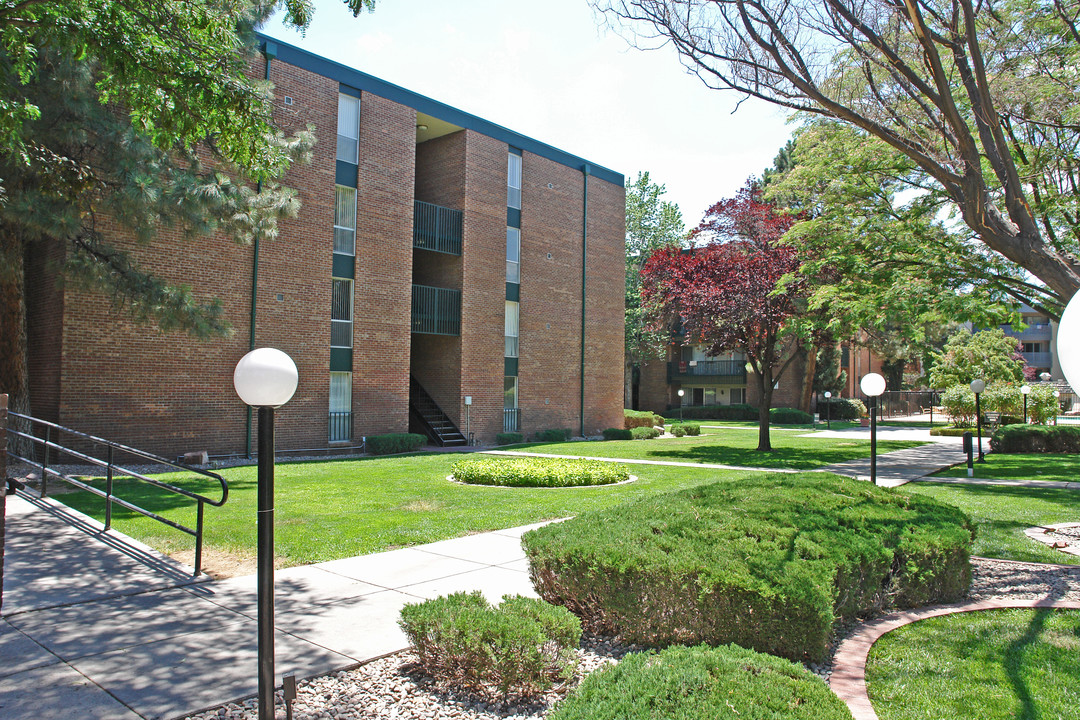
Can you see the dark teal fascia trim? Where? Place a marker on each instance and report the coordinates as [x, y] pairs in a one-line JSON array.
[[345, 173], [513, 292], [515, 151], [340, 359], [510, 367], [513, 217], [347, 90], [348, 77], [344, 266]]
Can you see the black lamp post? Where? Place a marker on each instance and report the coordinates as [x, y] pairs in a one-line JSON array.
[[872, 386], [828, 410], [977, 386], [1024, 390], [266, 379], [681, 393]]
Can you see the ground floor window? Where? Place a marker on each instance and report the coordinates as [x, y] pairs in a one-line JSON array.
[[340, 406], [695, 396], [511, 412]]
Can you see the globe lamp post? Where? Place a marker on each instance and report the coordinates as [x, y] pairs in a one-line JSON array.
[[872, 386], [977, 386], [828, 409], [1024, 390], [681, 393], [265, 379]]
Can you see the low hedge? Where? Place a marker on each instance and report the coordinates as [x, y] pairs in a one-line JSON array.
[[521, 648], [702, 683], [715, 412], [789, 416], [770, 562], [509, 438], [394, 443], [553, 435], [843, 409], [645, 433], [618, 434], [1036, 439], [536, 472], [640, 418], [685, 429], [952, 431]]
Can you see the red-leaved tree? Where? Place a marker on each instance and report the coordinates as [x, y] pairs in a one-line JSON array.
[[725, 294]]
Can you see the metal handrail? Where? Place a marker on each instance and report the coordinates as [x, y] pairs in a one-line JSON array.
[[111, 470]]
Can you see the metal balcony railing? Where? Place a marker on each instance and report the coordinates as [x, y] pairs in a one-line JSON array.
[[436, 311], [436, 228], [733, 371], [1039, 359], [1033, 333]]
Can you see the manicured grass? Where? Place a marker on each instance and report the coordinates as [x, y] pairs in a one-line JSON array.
[[1001, 514], [729, 447], [1064, 467], [338, 509], [991, 665]]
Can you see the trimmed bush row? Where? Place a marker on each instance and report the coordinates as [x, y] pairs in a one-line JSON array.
[[1036, 439], [952, 431], [521, 648], [741, 412], [685, 429], [618, 434], [394, 443], [702, 683], [770, 562], [536, 472], [640, 418], [553, 435], [789, 416], [645, 433], [509, 438], [843, 409]]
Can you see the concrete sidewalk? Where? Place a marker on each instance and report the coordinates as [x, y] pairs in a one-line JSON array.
[[902, 466], [96, 625]]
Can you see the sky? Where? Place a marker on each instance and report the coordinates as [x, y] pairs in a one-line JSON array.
[[553, 71]]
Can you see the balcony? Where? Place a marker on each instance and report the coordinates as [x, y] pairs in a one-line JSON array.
[[436, 228], [1033, 333], [436, 311], [1039, 359], [725, 372]]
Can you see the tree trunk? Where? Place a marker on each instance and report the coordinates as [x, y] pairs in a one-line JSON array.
[[765, 385], [809, 368], [14, 376]]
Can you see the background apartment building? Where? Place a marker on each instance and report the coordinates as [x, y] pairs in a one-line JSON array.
[[437, 257]]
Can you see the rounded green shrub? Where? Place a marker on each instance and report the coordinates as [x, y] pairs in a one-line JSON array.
[[645, 433], [521, 648], [770, 562], [959, 403], [536, 472], [677, 430], [553, 435], [618, 434], [509, 438], [692, 428], [789, 416], [844, 409], [1036, 439], [702, 683]]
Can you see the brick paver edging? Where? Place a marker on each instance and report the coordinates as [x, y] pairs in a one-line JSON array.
[[848, 679]]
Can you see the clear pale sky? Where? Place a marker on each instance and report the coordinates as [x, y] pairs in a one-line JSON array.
[[550, 70]]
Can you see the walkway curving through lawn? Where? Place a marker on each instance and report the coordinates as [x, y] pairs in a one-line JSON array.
[[848, 679]]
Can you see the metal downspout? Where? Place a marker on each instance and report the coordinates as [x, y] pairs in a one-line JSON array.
[[585, 171], [270, 52]]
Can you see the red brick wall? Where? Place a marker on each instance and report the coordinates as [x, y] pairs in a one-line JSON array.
[[381, 333], [654, 393], [44, 328]]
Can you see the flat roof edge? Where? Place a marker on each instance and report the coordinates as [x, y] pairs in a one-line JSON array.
[[369, 83]]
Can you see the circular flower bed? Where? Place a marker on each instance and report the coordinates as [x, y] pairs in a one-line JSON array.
[[537, 472]]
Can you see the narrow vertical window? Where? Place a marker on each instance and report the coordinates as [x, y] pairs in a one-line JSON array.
[[344, 220], [348, 128], [341, 315], [513, 255], [511, 329], [340, 406], [513, 181], [511, 415]]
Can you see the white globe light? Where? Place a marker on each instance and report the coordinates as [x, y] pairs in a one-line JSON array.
[[977, 386], [681, 392], [828, 394], [265, 377], [872, 384], [1025, 389], [1068, 341]]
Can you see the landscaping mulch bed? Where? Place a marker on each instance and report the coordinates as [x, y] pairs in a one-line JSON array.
[[392, 689]]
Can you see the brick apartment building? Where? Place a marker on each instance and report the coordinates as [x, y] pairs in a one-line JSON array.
[[436, 257]]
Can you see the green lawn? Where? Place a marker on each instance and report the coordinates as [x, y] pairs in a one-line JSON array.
[[1064, 467], [1001, 514], [990, 665], [728, 447], [337, 509]]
